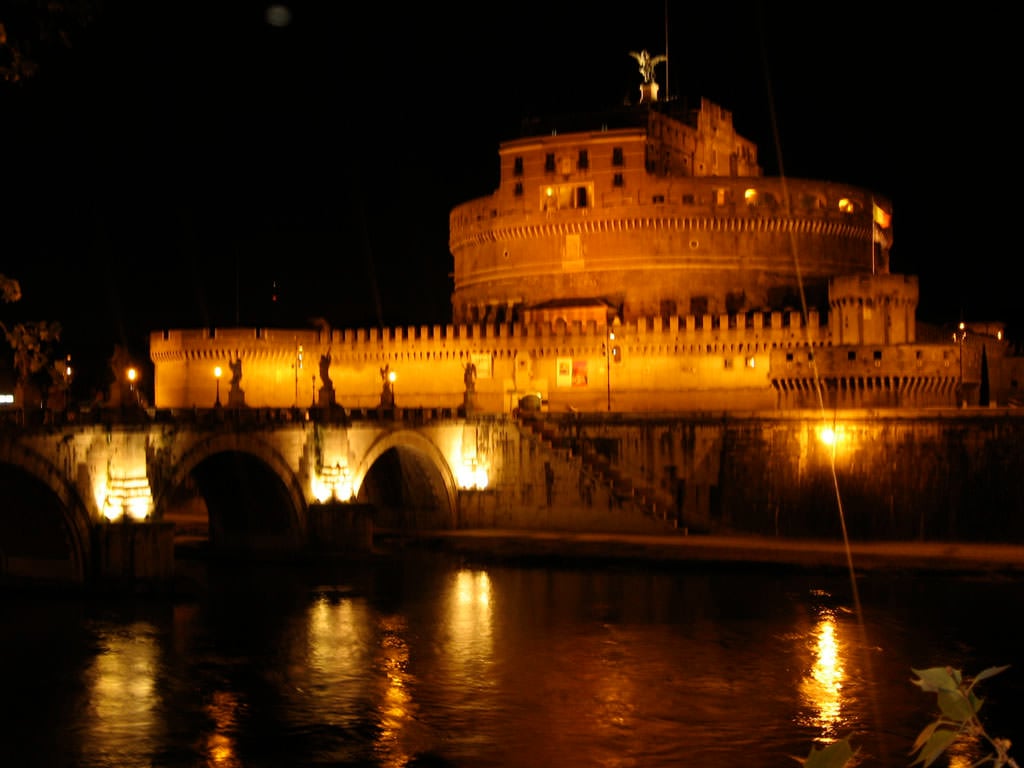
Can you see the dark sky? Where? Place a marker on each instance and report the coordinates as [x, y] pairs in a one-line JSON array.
[[182, 163]]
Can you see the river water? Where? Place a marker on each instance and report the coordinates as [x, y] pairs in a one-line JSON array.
[[425, 659]]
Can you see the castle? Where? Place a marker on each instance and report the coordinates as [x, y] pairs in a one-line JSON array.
[[632, 260]]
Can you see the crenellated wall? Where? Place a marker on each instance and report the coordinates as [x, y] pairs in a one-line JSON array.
[[748, 361]]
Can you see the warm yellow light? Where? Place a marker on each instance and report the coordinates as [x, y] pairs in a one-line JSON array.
[[132, 375], [472, 475], [332, 482], [750, 195], [218, 372], [827, 435], [846, 205], [127, 497], [392, 376]]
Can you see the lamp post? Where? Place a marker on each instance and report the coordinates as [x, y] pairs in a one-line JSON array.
[[217, 373], [132, 374], [609, 338], [961, 336], [66, 376]]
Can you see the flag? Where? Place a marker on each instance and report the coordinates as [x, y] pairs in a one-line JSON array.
[[880, 216], [881, 220]]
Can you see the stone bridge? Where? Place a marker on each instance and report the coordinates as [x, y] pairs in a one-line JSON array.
[[107, 500], [101, 499]]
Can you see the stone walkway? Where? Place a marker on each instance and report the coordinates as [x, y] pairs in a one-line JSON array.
[[546, 545]]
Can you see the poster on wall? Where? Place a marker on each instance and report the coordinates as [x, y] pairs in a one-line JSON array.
[[579, 373], [563, 372]]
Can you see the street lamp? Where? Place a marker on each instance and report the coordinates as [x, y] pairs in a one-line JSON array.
[[608, 364], [298, 367], [132, 374], [66, 377], [217, 373], [961, 336]]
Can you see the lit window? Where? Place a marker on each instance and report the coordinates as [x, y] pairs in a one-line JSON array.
[[846, 205], [750, 195]]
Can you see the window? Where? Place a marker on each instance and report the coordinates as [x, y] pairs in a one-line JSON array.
[[583, 162], [617, 158], [617, 180], [519, 189], [658, 199], [581, 197], [851, 355], [518, 169], [549, 162]]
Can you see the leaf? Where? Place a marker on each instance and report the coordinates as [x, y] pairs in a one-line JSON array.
[[924, 735], [935, 746], [955, 706], [937, 679], [990, 672], [835, 755]]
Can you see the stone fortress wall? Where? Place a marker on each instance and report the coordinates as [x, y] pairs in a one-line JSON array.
[[754, 361]]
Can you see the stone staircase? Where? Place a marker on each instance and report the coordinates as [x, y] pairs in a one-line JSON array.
[[652, 503]]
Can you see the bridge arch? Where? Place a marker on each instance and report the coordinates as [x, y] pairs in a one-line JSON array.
[[426, 496], [32, 539], [279, 523]]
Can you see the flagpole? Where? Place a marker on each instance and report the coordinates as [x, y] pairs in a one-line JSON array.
[[872, 238]]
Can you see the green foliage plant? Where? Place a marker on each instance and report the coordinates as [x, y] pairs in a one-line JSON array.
[[959, 706]]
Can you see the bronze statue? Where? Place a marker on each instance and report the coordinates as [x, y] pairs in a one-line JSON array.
[[647, 63], [325, 370], [236, 371]]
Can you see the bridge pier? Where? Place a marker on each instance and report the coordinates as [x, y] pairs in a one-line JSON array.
[[336, 527], [135, 554]]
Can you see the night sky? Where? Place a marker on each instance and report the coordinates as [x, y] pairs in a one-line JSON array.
[[179, 165]]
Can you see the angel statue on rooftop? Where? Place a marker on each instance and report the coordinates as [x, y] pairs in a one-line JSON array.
[[647, 63]]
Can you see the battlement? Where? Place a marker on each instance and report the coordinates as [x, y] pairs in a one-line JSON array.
[[771, 328]]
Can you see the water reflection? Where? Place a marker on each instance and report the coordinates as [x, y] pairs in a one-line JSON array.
[[822, 688], [123, 718], [497, 667], [219, 748]]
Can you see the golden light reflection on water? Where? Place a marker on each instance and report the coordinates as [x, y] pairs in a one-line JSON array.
[[220, 748], [822, 688], [470, 619], [124, 701], [395, 712]]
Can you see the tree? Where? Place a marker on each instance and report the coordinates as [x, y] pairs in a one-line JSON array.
[[34, 347], [30, 31]]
